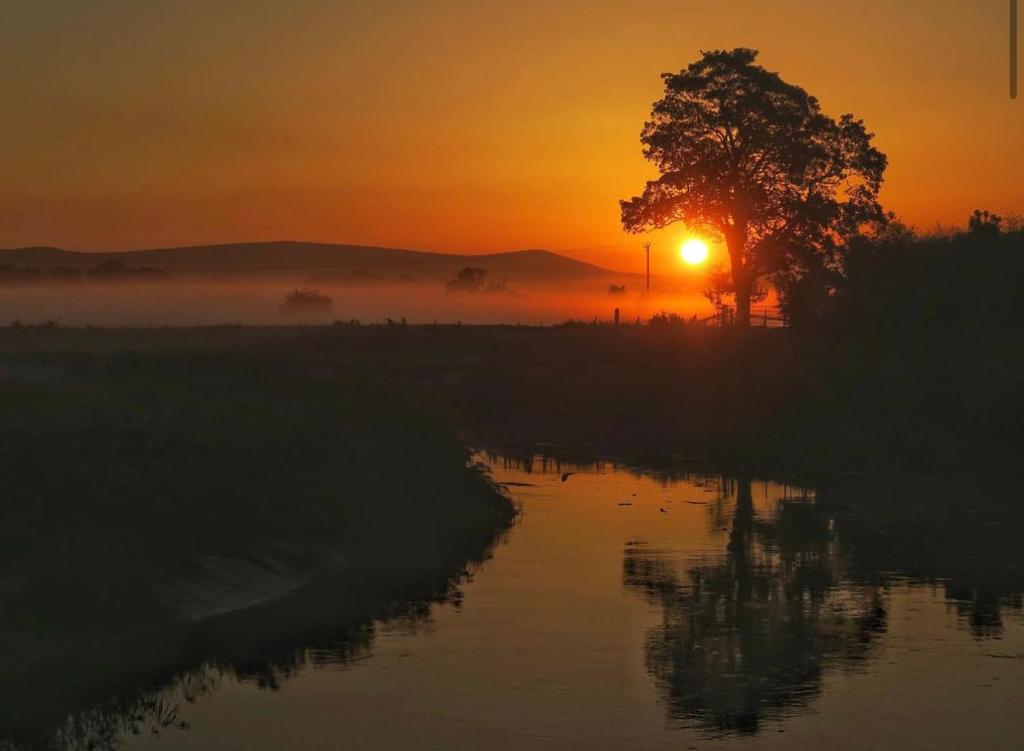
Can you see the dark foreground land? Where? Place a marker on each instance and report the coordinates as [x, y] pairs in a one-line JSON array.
[[770, 401], [152, 500], [161, 484]]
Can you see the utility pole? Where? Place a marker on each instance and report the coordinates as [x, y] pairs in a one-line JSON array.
[[647, 248], [1014, 44]]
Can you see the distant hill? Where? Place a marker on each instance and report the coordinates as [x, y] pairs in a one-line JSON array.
[[317, 260]]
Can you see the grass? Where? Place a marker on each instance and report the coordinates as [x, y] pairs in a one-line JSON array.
[[132, 475], [772, 402]]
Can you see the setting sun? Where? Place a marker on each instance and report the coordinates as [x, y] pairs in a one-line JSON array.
[[694, 251]]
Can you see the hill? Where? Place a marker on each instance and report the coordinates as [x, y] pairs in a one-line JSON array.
[[316, 259]]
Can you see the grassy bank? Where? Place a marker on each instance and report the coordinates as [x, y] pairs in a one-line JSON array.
[[148, 492]]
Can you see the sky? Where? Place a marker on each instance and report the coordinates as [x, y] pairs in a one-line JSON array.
[[454, 125]]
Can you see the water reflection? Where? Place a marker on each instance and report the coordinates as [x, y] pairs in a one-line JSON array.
[[801, 588], [748, 636], [246, 648], [95, 688], [965, 537], [742, 602]]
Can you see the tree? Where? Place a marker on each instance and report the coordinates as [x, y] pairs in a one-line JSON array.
[[750, 159], [468, 279], [472, 280], [984, 224]]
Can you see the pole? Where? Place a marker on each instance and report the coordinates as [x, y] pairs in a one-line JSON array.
[[1014, 43], [647, 248]]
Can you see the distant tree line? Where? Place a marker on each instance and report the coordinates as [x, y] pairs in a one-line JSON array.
[[109, 270]]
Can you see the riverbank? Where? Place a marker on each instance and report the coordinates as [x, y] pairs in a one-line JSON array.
[[149, 497]]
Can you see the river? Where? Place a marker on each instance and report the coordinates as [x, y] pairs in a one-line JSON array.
[[642, 610]]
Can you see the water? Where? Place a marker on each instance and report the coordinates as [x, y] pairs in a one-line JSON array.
[[638, 611]]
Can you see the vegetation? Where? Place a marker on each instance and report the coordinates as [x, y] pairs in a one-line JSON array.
[[750, 158], [306, 300], [113, 269], [134, 475], [901, 285], [472, 279], [667, 319], [105, 271]]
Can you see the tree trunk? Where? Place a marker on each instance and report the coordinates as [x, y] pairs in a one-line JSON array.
[[744, 286], [743, 307], [741, 280]]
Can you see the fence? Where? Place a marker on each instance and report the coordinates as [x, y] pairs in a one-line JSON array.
[[763, 316]]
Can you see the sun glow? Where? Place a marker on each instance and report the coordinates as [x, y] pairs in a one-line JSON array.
[[694, 251]]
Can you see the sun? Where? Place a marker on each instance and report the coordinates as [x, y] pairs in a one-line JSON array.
[[694, 251]]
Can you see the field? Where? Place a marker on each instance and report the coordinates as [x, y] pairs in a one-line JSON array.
[[769, 401]]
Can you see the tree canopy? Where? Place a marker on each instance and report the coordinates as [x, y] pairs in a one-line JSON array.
[[750, 159]]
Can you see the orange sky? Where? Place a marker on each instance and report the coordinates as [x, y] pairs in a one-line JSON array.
[[453, 125]]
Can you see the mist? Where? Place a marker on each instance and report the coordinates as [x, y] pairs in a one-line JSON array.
[[260, 301]]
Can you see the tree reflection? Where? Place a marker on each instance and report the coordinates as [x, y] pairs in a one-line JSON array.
[[965, 538], [141, 685], [748, 637]]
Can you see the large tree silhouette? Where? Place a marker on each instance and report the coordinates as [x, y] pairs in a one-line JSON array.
[[751, 159]]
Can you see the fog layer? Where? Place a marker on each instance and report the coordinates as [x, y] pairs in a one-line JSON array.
[[180, 302]]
